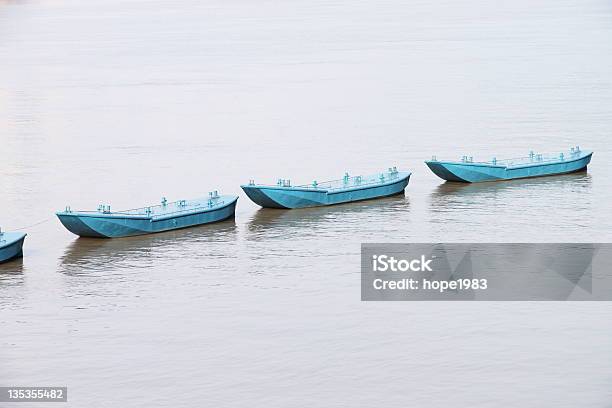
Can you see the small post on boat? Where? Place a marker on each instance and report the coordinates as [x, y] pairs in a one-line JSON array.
[[346, 177], [494, 161], [164, 202], [531, 154], [561, 156]]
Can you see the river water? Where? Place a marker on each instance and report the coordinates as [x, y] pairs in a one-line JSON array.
[[123, 102]]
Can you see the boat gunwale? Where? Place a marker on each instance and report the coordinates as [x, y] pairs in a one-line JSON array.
[[402, 175], [511, 167], [473, 164], [549, 163], [12, 241], [187, 214], [357, 188], [153, 218]]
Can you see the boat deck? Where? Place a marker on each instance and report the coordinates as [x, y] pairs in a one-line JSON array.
[[533, 159], [163, 210], [345, 183]]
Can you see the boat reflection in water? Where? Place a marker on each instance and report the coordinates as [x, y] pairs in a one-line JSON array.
[[291, 243], [547, 208], [85, 256], [324, 221], [10, 270], [571, 181]]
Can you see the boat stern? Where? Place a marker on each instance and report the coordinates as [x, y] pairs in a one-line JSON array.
[[443, 172], [75, 224], [466, 172], [285, 197], [256, 195], [11, 246]]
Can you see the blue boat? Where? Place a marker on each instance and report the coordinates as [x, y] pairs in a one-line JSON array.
[[534, 165], [347, 189], [105, 223], [11, 245]]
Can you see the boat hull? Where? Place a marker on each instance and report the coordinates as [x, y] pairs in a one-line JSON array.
[[292, 197], [112, 226], [12, 247], [482, 172]]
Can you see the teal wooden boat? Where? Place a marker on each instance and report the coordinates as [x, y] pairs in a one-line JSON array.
[[11, 245], [534, 165], [105, 223], [347, 189]]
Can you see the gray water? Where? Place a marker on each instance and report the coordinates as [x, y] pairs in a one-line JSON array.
[[123, 102]]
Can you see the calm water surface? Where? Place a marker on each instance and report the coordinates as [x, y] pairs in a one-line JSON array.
[[123, 102]]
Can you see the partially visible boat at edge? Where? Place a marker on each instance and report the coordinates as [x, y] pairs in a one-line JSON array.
[[105, 223], [534, 165], [11, 245], [347, 189]]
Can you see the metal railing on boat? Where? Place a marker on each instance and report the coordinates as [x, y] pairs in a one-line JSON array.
[[165, 209], [534, 158], [339, 184]]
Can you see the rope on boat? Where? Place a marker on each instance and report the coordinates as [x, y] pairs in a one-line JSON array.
[[33, 225]]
